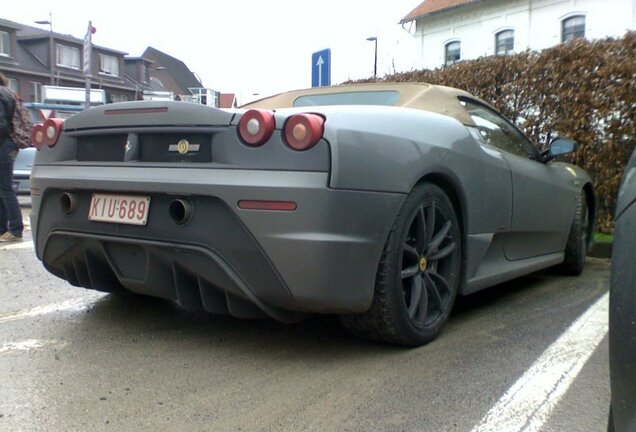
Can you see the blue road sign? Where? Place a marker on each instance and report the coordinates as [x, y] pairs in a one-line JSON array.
[[321, 68]]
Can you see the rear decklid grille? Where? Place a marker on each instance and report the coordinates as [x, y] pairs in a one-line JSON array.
[[147, 131], [101, 148], [146, 147]]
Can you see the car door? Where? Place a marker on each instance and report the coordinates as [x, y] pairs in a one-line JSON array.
[[544, 196]]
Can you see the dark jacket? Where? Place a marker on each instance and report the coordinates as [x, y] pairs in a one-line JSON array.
[[7, 105]]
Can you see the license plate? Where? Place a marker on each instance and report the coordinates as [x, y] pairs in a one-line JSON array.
[[123, 209]]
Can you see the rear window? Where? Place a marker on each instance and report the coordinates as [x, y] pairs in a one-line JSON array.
[[25, 158], [389, 97]]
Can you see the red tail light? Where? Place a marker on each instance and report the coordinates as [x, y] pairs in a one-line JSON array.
[[37, 136], [52, 128], [303, 131], [256, 127]]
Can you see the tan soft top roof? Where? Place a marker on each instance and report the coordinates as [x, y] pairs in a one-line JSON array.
[[426, 97]]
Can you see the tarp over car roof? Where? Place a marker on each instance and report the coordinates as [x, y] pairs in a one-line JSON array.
[[426, 97]]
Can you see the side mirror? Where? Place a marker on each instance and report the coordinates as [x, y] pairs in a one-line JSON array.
[[559, 147]]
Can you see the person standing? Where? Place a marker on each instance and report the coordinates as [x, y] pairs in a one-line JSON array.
[[10, 215]]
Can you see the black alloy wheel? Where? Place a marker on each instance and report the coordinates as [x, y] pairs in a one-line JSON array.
[[419, 273], [426, 265]]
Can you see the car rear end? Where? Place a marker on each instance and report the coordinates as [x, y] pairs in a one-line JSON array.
[[22, 170], [226, 210]]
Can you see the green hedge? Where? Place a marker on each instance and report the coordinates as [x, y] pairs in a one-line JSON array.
[[582, 90]]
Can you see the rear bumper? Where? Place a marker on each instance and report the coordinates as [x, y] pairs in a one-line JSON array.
[[322, 257], [21, 178]]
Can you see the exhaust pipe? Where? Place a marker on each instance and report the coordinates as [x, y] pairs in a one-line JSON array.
[[180, 211], [68, 202]]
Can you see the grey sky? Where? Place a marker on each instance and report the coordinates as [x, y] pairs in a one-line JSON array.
[[242, 46]]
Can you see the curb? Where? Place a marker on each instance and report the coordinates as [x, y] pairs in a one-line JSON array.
[[600, 250]]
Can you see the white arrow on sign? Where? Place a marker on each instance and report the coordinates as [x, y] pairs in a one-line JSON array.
[[319, 63]]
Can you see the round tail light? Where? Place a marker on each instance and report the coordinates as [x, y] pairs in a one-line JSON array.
[[303, 131], [52, 128], [37, 136], [256, 127]]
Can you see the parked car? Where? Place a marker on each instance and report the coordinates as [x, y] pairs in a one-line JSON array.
[[22, 170], [622, 313], [24, 162], [378, 202]]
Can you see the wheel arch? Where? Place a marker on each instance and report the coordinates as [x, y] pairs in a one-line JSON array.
[[454, 192]]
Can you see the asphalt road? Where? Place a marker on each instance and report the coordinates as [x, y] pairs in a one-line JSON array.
[[76, 360]]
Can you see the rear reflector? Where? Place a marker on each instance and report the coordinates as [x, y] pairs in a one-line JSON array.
[[267, 205]]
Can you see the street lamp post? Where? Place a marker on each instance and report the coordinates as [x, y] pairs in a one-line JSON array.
[[49, 22], [88, 67], [375, 57]]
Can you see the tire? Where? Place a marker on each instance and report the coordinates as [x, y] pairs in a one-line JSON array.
[[576, 248], [419, 273]]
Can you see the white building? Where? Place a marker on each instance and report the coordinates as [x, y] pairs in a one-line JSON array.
[[451, 30]]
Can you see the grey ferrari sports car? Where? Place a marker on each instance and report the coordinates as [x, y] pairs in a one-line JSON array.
[[376, 202]]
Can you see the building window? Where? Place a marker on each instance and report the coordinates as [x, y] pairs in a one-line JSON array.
[[144, 73], [108, 65], [68, 56], [118, 98], [14, 85], [572, 28], [156, 81], [505, 42], [36, 87], [452, 53], [204, 96], [4, 44]]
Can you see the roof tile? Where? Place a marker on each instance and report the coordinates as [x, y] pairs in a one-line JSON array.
[[428, 7], [227, 100]]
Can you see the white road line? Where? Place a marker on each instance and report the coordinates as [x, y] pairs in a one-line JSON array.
[[527, 405], [65, 306], [26, 345], [26, 244]]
